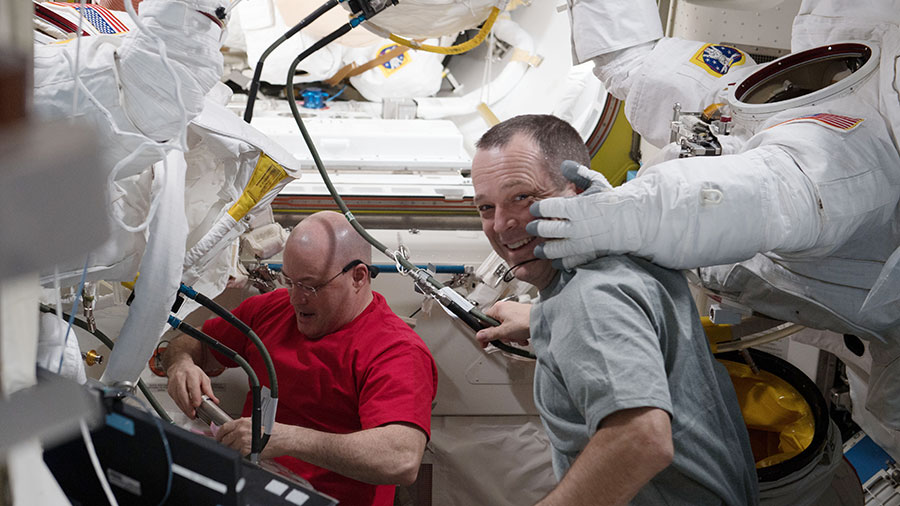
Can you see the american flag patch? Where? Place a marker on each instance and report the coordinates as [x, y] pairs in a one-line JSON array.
[[833, 121], [99, 17]]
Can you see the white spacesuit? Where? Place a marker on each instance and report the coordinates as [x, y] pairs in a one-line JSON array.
[[186, 175], [804, 199]]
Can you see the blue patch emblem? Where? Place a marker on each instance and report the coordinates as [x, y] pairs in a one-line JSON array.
[[395, 63], [717, 59]]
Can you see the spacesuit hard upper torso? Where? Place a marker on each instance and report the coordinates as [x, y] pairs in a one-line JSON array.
[[810, 244]]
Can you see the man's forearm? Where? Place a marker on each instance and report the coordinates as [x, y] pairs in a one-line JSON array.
[[631, 447], [390, 454], [183, 348]]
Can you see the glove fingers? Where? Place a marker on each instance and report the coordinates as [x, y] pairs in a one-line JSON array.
[[551, 229], [558, 248], [556, 207], [599, 184], [573, 252], [570, 262], [576, 173], [584, 178]]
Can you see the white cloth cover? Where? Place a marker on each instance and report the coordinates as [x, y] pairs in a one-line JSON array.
[[223, 153], [53, 346], [126, 90], [602, 26], [231, 149], [128, 109], [154, 292], [423, 19], [118, 258]]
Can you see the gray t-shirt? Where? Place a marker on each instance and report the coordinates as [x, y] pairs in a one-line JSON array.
[[621, 333]]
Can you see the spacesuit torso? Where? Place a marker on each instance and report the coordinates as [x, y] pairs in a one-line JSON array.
[[813, 260], [799, 215], [178, 160], [843, 145]]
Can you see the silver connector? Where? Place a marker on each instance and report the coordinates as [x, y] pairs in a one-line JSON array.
[[210, 413]]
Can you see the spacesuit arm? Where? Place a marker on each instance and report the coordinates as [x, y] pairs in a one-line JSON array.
[[127, 91], [688, 212], [646, 70]]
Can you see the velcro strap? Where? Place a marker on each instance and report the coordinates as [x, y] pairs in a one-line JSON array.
[[348, 71], [532, 60]]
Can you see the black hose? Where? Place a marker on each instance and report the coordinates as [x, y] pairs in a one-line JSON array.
[[103, 338], [245, 329], [256, 414], [254, 85], [475, 319]]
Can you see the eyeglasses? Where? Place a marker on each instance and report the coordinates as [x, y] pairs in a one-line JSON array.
[[310, 291]]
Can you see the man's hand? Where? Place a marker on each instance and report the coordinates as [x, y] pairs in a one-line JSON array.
[[513, 318], [582, 227], [237, 434], [187, 384]]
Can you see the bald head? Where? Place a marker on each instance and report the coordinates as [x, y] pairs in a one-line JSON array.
[[325, 294], [327, 240]]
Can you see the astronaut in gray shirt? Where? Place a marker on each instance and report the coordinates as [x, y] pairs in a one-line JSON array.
[[636, 408]]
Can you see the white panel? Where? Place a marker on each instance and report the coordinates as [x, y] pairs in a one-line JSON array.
[[454, 187], [730, 22], [370, 143]]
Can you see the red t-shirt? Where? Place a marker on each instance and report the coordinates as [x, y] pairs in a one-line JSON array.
[[373, 371]]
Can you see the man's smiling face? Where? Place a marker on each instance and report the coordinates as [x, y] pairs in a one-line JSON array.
[[507, 181]]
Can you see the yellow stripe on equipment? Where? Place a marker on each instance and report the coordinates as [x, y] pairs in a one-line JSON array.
[[267, 174]]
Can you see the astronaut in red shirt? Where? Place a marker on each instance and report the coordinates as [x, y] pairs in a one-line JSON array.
[[356, 382]]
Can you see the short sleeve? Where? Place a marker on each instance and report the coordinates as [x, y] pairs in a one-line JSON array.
[[610, 359], [399, 385]]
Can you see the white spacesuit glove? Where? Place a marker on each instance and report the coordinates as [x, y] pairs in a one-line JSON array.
[[588, 182], [686, 213], [584, 227]]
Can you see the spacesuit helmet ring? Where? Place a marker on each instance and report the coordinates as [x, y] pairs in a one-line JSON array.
[[804, 78]]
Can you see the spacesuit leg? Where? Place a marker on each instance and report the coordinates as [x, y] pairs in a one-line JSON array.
[[883, 398]]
